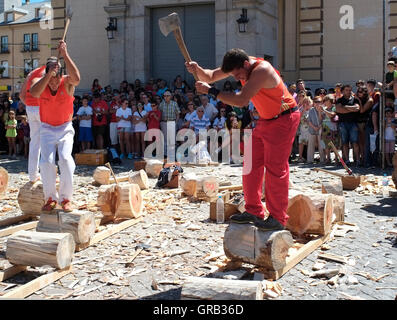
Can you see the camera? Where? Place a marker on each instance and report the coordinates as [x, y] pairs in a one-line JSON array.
[[99, 117]]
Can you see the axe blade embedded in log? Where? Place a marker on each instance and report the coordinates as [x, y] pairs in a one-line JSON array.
[[172, 23]]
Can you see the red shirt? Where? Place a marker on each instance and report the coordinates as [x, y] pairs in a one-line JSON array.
[[99, 106], [271, 102], [114, 105], [29, 99], [56, 110], [153, 123]]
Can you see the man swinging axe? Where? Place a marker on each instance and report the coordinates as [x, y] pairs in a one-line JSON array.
[[271, 140], [56, 94]]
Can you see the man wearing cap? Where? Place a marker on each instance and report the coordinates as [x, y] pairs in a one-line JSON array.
[[32, 110], [56, 94], [271, 141]]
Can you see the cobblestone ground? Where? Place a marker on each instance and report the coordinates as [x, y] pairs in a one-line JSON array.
[[182, 239]]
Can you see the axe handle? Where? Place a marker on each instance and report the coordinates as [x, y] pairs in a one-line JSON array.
[[182, 47], [65, 31], [349, 171]]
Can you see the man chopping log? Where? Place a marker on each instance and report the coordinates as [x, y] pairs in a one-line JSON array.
[[271, 140], [32, 110], [56, 93]]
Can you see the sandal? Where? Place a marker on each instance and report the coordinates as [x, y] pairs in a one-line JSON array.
[[50, 205], [66, 206]]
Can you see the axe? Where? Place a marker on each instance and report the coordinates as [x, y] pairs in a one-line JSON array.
[[173, 23], [69, 15]]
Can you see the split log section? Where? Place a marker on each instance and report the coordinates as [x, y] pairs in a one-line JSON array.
[[102, 176], [81, 225], [39, 249], [244, 242], [31, 198], [3, 180], [309, 213], [199, 187], [195, 288]]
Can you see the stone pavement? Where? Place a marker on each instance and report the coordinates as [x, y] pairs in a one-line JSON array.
[[183, 238]]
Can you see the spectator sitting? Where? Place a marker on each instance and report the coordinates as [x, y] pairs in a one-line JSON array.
[[190, 113], [210, 111], [232, 122], [220, 120], [199, 121], [85, 132], [96, 87]]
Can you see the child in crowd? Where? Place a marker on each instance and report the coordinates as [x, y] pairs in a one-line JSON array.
[[26, 134], [330, 126], [154, 118], [11, 134], [390, 136], [85, 131], [315, 125], [305, 106], [139, 119], [124, 116]]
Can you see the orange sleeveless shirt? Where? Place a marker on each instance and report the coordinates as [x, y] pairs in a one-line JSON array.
[[271, 102], [29, 99], [56, 110]]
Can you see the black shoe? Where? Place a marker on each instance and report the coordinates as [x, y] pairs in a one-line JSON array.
[[270, 224], [243, 218]]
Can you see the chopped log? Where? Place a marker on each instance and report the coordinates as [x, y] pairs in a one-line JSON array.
[[128, 201], [3, 180], [102, 175], [309, 213], [333, 187], [39, 249], [107, 199], [199, 187], [189, 184], [339, 208], [80, 224], [244, 242], [139, 165], [140, 178], [195, 288], [153, 168], [31, 198]]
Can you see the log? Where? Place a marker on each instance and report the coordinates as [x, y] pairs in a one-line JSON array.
[[31, 198], [189, 184], [39, 249], [195, 288], [333, 187], [140, 178], [128, 201], [339, 208], [153, 168], [3, 180], [81, 225], [107, 199], [102, 175], [309, 213], [199, 187], [245, 243]]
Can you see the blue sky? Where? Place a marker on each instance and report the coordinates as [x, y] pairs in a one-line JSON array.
[[23, 1]]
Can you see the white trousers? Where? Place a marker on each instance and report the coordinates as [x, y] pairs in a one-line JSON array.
[[168, 128], [53, 138], [113, 133], [34, 145], [311, 147]]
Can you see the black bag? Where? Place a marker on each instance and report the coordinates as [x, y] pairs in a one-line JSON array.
[[166, 175]]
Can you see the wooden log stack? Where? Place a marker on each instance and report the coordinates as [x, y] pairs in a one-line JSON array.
[[37, 249], [122, 201], [81, 225], [244, 242]]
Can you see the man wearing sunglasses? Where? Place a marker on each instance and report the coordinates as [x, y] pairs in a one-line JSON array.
[[56, 94], [271, 141]]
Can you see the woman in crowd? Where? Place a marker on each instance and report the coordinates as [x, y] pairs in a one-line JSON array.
[[139, 118], [220, 120], [330, 131], [96, 87], [315, 126], [180, 84], [366, 104], [124, 116], [306, 105]]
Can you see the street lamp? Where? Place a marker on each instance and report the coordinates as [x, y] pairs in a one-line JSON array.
[[243, 21], [112, 26]]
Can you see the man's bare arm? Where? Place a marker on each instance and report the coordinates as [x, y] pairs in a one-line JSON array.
[[39, 84], [206, 75]]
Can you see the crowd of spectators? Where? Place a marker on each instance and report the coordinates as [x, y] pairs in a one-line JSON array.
[[119, 118]]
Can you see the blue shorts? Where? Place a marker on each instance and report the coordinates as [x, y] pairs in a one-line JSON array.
[[85, 134], [348, 132]]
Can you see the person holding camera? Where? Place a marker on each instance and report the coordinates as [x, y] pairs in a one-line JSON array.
[[56, 94], [99, 121]]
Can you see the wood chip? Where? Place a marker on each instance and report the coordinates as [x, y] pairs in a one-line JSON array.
[[179, 252]]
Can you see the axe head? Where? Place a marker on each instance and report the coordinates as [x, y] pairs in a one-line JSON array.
[[68, 13], [169, 23]]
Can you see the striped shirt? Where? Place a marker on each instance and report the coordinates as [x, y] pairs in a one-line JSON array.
[[169, 111], [199, 124]]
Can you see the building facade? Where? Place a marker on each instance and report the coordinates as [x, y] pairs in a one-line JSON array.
[[24, 43], [323, 42]]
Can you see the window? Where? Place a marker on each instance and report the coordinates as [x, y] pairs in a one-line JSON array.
[[4, 67], [26, 42], [35, 41], [28, 65], [10, 17], [35, 63], [4, 44]]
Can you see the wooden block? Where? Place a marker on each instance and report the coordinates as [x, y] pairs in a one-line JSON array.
[[91, 157], [139, 165], [12, 230], [195, 288]]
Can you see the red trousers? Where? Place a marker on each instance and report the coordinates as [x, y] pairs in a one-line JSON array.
[[270, 147]]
